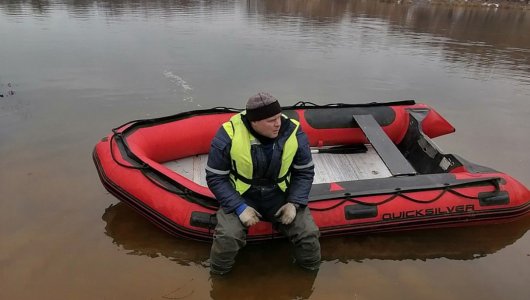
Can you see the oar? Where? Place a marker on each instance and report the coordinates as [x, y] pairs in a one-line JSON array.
[[343, 149]]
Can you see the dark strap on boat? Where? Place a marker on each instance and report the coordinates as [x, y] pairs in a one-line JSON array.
[[396, 163]]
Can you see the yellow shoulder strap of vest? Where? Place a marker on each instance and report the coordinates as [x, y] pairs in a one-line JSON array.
[[229, 128]]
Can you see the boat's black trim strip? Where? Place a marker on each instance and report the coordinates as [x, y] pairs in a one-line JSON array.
[[125, 152], [397, 185], [185, 193]]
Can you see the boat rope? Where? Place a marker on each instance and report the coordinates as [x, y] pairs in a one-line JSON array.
[[497, 189], [304, 104], [407, 197], [301, 104], [354, 201], [225, 108]]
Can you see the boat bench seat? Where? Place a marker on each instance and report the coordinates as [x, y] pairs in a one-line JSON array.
[[396, 163]]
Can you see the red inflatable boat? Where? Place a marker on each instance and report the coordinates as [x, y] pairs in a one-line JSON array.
[[376, 169]]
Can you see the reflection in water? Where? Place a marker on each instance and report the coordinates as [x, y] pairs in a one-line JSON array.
[[480, 39], [133, 232], [453, 243], [137, 235], [264, 267], [268, 264], [113, 8], [256, 264], [267, 282]]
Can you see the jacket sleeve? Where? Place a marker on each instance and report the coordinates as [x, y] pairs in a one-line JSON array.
[[302, 171], [218, 173]]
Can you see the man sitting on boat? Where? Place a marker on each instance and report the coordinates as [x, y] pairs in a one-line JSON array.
[[260, 167]]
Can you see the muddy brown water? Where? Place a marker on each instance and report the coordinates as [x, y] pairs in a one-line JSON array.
[[72, 70]]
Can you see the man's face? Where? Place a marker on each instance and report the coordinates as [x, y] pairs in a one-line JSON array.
[[268, 127]]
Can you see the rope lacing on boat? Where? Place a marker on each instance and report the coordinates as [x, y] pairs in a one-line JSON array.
[[445, 190]]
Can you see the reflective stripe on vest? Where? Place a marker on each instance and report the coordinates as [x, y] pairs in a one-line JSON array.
[[242, 167]]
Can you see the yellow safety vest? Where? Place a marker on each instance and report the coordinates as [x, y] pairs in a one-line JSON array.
[[242, 167]]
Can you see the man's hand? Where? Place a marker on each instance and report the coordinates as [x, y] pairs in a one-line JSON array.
[[249, 216], [286, 213]]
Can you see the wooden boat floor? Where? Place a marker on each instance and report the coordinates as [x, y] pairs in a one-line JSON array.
[[328, 167]]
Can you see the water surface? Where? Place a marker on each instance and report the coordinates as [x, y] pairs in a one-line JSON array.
[[72, 70]]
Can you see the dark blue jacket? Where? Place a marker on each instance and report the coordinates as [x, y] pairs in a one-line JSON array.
[[266, 163]]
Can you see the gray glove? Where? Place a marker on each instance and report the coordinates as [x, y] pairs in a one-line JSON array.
[[249, 216], [286, 213]]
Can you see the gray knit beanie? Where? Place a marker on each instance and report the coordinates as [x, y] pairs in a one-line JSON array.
[[262, 106]]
